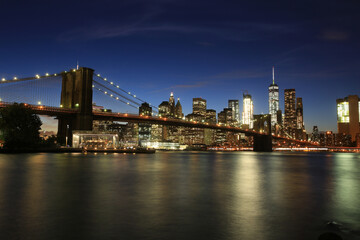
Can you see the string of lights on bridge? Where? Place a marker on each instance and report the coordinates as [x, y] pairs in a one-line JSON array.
[[118, 97], [118, 87]]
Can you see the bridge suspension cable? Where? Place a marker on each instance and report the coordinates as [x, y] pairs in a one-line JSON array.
[[116, 93], [119, 88], [116, 98], [37, 76]]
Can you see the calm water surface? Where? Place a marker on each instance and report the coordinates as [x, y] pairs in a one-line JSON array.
[[178, 195]]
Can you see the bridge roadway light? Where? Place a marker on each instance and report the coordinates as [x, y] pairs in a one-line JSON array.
[[37, 76], [47, 74], [39, 102], [3, 79], [15, 78]]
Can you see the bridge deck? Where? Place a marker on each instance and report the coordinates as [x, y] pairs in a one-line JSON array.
[[125, 117]]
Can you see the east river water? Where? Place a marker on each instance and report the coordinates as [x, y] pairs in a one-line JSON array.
[[179, 195]]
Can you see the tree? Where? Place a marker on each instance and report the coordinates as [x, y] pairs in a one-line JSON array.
[[20, 127]]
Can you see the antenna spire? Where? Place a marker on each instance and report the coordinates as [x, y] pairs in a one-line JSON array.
[[77, 65], [273, 75]]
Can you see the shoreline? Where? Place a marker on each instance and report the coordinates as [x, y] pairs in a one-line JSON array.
[[76, 150]]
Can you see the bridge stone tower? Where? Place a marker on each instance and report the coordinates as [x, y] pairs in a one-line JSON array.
[[76, 93], [262, 123]]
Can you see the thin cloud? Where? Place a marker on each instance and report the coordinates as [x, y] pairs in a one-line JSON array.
[[235, 32], [334, 35]]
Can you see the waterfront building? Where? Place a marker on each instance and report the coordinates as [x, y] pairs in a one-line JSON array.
[[315, 136], [194, 136], [273, 100], [290, 112], [327, 139], [209, 134], [100, 125], [343, 140], [248, 112], [145, 128], [234, 105], [348, 110]]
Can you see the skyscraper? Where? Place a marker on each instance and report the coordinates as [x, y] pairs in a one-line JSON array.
[[273, 100], [172, 105], [144, 128], [234, 105], [299, 114], [348, 110], [300, 128], [178, 110], [248, 111], [199, 106], [290, 112]]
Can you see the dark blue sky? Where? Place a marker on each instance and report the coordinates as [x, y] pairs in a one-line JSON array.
[[210, 49]]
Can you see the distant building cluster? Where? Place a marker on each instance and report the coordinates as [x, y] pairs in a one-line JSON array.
[[289, 123]]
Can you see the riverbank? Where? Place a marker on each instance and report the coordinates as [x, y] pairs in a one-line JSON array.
[[75, 150]]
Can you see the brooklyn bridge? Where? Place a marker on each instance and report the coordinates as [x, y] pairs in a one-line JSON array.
[[74, 109]]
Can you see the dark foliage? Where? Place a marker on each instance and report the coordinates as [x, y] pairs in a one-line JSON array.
[[20, 127]]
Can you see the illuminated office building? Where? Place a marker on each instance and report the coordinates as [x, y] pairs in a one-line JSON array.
[[209, 134], [234, 105], [145, 128], [300, 128], [348, 110], [248, 111], [273, 100], [199, 106], [178, 110], [171, 105], [290, 112]]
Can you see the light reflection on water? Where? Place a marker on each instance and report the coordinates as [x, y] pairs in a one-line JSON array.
[[178, 195]]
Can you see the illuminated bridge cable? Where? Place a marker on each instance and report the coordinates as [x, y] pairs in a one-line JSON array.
[[3, 80], [116, 98], [118, 87], [114, 92]]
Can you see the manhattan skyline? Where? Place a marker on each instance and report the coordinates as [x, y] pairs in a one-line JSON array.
[[205, 49]]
